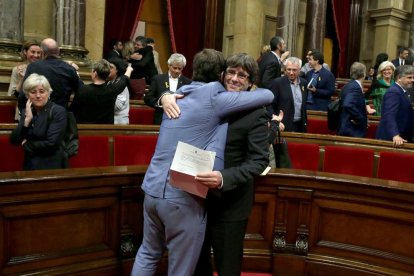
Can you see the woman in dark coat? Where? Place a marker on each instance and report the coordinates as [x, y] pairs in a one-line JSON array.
[[41, 127]]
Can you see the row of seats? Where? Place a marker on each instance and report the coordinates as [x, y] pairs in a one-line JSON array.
[[320, 126], [94, 151], [353, 161], [97, 151], [137, 115]]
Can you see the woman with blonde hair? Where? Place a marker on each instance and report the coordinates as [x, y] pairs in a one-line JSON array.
[[383, 81]]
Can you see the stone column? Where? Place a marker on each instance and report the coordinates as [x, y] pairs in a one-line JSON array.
[[287, 23], [11, 29], [315, 24], [69, 22]]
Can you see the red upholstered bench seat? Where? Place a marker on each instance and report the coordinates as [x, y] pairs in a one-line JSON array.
[[134, 149], [11, 156], [7, 112], [93, 152], [349, 160], [141, 116], [318, 126], [304, 156], [396, 166]]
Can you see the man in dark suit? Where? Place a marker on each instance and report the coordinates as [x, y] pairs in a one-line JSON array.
[[168, 82], [270, 65], [246, 155], [403, 54], [354, 119], [142, 61], [397, 115], [290, 97], [321, 83], [116, 50]]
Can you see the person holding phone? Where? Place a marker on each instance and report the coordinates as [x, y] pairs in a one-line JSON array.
[[41, 128]]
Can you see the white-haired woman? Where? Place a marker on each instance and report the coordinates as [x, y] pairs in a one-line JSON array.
[[385, 78], [41, 127]]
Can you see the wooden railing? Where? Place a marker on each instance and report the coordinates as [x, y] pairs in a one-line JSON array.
[[89, 222]]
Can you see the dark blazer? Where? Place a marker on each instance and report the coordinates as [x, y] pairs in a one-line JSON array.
[[354, 119], [159, 85], [397, 116], [396, 62], [325, 88], [283, 100], [269, 69], [246, 155], [43, 149], [113, 54], [144, 68]]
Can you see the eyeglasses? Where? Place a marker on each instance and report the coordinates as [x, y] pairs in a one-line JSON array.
[[240, 75]]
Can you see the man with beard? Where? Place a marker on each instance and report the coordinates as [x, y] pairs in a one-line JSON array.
[[397, 115], [270, 65]]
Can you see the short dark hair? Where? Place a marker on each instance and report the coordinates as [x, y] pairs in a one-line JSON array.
[[208, 64], [317, 55], [276, 40], [120, 64], [402, 49], [381, 57], [150, 40], [246, 62], [114, 42], [141, 39]]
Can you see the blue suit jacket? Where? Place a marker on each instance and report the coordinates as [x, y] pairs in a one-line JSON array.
[[353, 108], [201, 124], [397, 116], [325, 87]]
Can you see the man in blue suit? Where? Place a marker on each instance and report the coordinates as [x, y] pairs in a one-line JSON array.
[[173, 218], [354, 119], [397, 115], [321, 83]]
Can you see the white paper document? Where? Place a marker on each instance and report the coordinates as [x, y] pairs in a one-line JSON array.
[[187, 163]]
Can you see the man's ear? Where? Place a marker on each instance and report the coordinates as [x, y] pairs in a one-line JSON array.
[[222, 77]]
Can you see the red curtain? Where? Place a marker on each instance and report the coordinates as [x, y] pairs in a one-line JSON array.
[[119, 20], [187, 23], [341, 11]]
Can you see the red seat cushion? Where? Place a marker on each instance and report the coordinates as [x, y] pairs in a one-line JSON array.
[[396, 166], [7, 112], [304, 156], [11, 156], [141, 116], [93, 152], [134, 149], [349, 160], [318, 126], [371, 131]]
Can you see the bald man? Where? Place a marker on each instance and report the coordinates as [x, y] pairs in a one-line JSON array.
[[62, 77]]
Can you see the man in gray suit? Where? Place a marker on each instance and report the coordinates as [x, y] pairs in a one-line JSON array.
[[173, 218]]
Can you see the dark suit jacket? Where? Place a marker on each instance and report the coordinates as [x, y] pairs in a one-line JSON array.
[[269, 69], [397, 116], [353, 108], [396, 62], [246, 155], [283, 100], [113, 54], [325, 87], [159, 85], [144, 68]]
